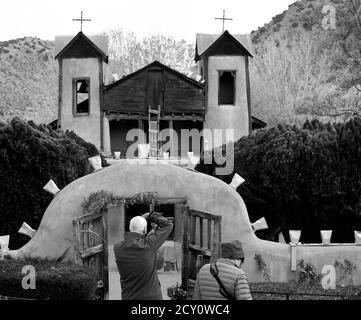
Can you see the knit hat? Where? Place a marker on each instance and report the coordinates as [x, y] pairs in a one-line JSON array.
[[232, 250]]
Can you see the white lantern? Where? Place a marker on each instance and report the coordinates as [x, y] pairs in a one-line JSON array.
[[27, 230], [295, 236], [96, 163], [192, 162], [4, 243], [326, 236], [357, 237], [237, 181], [51, 187], [281, 238], [260, 224]]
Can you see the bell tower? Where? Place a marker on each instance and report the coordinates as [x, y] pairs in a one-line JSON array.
[[224, 65], [81, 79]]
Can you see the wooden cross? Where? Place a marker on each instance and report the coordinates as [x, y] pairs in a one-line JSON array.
[[81, 20], [224, 18]]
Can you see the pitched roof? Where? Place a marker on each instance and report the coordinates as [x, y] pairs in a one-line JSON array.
[[206, 41], [98, 43], [153, 64]]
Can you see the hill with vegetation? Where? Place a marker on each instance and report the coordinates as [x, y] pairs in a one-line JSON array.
[[300, 71], [28, 80], [308, 62]]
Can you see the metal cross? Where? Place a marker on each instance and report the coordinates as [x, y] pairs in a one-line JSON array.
[[224, 18], [81, 20]]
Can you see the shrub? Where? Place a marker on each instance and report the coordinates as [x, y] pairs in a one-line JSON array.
[[305, 178], [31, 155], [53, 280], [307, 273], [279, 18]]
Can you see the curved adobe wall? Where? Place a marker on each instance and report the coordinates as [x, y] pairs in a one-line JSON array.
[[54, 238]]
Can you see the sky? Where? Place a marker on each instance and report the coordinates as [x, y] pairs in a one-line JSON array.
[[181, 19]]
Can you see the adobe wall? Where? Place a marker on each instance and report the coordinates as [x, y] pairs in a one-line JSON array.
[[54, 238]]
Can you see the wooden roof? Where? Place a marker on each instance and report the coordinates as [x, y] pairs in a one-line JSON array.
[[155, 84], [83, 47], [205, 42], [150, 66]]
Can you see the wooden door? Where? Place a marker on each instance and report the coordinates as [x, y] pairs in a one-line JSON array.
[[201, 243], [90, 233]]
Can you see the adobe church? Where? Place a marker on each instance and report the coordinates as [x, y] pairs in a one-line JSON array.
[[155, 97]]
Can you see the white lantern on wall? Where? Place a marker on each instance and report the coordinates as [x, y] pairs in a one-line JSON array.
[[237, 181], [27, 230], [326, 236], [260, 224], [96, 163], [295, 236], [357, 237], [51, 187], [4, 243], [192, 162]]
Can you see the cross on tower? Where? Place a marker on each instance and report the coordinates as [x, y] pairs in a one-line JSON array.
[[81, 20], [224, 18]]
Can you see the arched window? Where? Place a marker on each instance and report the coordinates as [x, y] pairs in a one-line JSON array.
[[226, 91]]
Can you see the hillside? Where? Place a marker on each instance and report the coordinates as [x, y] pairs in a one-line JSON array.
[[299, 70], [302, 69], [28, 80], [301, 17]]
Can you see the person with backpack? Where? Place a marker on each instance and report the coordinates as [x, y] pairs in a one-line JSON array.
[[224, 279]]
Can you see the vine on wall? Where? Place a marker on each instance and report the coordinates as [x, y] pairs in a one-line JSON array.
[[262, 267], [100, 200]]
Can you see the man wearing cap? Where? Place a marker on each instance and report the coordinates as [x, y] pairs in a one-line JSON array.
[[224, 279], [136, 257]]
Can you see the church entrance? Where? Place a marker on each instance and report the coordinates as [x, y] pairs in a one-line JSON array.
[[194, 241], [169, 258]]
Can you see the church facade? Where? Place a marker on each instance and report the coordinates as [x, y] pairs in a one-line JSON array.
[[155, 97]]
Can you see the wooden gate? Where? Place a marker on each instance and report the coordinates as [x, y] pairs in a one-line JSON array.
[[201, 243], [91, 243]]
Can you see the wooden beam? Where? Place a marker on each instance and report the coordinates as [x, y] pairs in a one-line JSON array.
[[88, 217], [209, 234], [172, 201], [204, 215], [201, 250], [201, 232], [186, 240], [132, 116], [92, 251]]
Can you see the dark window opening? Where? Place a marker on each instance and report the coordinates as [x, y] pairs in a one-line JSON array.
[[82, 96], [226, 91]]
